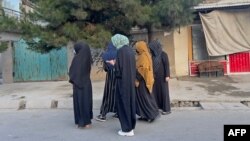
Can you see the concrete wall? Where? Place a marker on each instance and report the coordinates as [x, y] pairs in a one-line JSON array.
[[137, 35], [1, 65], [97, 72], [70, 53], [181, 51], [7, 36], [174, 44], [8, 65], [6, 59], [166, 40]]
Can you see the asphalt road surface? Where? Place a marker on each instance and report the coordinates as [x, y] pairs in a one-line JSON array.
[[58, 125]]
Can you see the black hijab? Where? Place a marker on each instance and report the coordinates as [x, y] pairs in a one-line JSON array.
[[79, 72], [156, 50]]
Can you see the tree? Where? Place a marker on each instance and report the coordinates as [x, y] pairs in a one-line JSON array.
[[6, 24], [3, 46], [170, 14], [56, 22]]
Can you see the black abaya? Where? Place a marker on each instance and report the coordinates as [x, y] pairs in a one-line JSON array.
[[79, 76], [82, 100], [160, 88], [108, 101], [125, 88], [146, 106]]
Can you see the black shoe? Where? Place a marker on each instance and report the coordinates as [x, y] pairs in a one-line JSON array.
[[150, 120], [145, 119], [142, 119], [165, 113], [115, 115], [100, 118]]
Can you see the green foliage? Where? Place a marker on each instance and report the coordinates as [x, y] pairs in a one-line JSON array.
[[175, 13], [8, 24], [39, 46], [56, 22], [3, 46]]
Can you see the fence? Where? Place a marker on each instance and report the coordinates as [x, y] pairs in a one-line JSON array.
[[11, 13]]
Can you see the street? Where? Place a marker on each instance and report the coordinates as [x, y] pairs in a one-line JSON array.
[[58, 125], [200, 49]]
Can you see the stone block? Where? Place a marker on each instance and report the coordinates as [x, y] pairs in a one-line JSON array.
[[9, 104], [65, 104], [38, 104], [211, 106]]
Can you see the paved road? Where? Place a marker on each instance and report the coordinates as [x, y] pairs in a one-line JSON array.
[[57, 125]]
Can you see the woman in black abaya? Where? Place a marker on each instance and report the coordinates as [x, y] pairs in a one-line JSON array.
[[125, 70], [108, 100], [161, 76], [79, 76], [146, 106]]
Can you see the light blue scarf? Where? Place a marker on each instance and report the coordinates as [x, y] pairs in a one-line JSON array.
[[119, 40]]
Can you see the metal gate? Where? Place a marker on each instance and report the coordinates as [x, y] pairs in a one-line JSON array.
[[239, 62], [33, 66]]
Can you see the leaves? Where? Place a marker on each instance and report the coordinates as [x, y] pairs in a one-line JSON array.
[[175, 13], [3, 46], [56, 22]]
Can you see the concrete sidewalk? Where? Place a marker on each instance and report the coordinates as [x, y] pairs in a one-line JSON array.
[[206, 93]]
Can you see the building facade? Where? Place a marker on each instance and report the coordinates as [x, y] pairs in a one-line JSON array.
[[234, 59]]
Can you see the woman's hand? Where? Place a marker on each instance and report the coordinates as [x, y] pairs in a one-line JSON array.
[[112, 62], [167, 79], [137, 83]]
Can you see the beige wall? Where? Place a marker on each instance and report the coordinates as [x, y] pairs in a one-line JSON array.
[[27, 9], [166, 40], [7, 36], [1, 64], [27, 6], [174, 44], [181, 51], [137, 35], [7, 65], [96, 74]]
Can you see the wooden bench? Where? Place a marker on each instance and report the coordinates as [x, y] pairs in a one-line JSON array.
[[211, 68]]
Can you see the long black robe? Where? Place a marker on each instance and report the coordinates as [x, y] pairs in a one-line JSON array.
[[161, 88], [79, 76], [146, 106], [125, 88], [108, 101]]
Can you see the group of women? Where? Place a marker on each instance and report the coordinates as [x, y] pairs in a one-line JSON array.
[[135, 84]]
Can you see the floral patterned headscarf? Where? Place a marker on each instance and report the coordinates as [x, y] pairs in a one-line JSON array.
[[119, 40]]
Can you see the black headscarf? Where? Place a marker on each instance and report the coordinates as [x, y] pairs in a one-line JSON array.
[[156, 51], [79, 72], [110, 54]]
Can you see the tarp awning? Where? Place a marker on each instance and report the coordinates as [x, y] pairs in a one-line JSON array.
[[226, 32]]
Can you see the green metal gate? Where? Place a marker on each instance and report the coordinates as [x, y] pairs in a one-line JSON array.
[[33, 66]]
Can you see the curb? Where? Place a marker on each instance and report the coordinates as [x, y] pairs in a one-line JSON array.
[[68, 104]]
